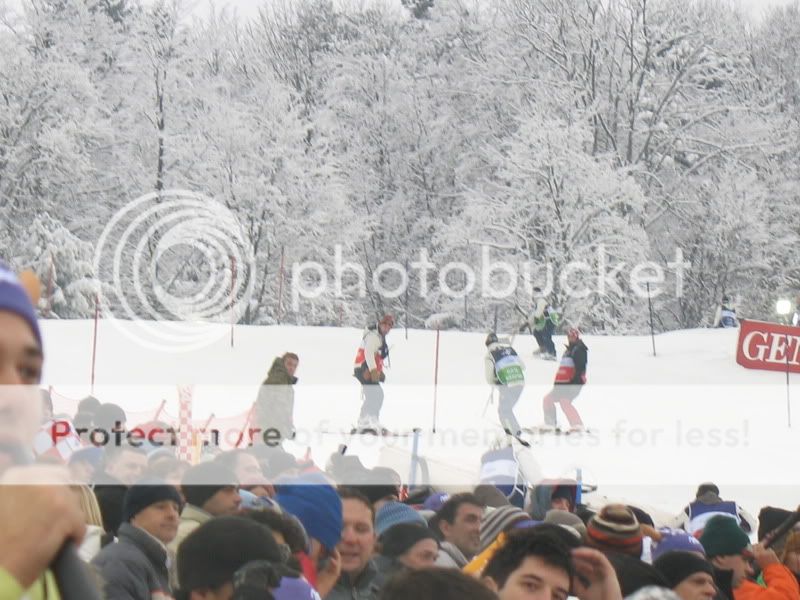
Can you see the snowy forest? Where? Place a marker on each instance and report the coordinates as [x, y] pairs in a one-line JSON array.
[[541, 129]]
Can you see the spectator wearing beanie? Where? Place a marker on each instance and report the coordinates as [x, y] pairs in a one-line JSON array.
[[500, 520], [403, 547], [676, 540], [769, 519], [495, 527], [615, 529], [688, 574], [135, 568], [245, 558], [318, 508], [568, 520], [394, 513], [211, 490], [728, 548]]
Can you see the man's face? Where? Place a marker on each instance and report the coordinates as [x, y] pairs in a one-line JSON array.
[[739, 564], [698, 586], [384, 328], [560, 504], [20, 365], [225, 502], [465, 531], [421, 555], [291, 365], [358, 537], [534, 579], [248, 471], [128, 467], [159, 520]]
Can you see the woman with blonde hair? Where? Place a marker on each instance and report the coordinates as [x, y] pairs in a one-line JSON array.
[[96, 536]]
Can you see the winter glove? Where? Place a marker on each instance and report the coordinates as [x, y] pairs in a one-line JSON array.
[[374, 375], [382, 377]]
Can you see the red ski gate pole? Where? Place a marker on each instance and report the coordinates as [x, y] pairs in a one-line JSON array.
[[436, 381], [94, 340]]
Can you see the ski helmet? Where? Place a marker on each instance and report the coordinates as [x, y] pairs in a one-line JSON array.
[[491, 339]]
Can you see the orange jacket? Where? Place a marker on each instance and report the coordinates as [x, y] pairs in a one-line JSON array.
[[781, 585]]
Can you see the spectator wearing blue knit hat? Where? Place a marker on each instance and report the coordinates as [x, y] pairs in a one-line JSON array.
[[318, 508], [393, 513]]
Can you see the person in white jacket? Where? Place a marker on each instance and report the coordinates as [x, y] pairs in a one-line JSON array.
[[368, 369], [504, 369]]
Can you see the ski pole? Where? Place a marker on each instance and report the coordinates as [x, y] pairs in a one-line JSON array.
[[489, 400]]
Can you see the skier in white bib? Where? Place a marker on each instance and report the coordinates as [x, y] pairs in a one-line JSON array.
[[505, 370]]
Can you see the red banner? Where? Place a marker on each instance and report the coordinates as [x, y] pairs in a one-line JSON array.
[[769, 346]]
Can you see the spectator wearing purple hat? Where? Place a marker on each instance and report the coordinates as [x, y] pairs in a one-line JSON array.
[[676, 540]]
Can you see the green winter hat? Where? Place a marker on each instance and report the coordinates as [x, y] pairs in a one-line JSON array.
[[722, 536]]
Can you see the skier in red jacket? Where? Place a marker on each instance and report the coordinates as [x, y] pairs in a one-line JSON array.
[[570, 378]]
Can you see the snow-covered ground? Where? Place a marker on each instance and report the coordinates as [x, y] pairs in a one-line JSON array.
[[663, 424]]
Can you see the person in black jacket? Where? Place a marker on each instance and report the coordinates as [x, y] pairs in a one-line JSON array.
[[570, 378], [135, 568]]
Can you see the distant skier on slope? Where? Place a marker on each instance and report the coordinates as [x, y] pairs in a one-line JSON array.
[[504, 369], [368, 369], [542, 323], [570, 379], [726, 314]]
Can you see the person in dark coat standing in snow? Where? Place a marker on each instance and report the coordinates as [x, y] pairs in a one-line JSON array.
[[570, 379], [275, 403]]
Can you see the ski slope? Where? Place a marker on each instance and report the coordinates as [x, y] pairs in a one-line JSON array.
[[663, 424]]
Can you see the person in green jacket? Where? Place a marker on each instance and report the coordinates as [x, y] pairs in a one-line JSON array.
[[275, 403]]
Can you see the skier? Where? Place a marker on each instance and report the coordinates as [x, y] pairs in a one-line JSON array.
[[570, 378], [504, 369], [368, 369], [726, 314], [542, 323]]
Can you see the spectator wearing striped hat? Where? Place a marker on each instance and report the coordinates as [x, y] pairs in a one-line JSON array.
[[615, 529]]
